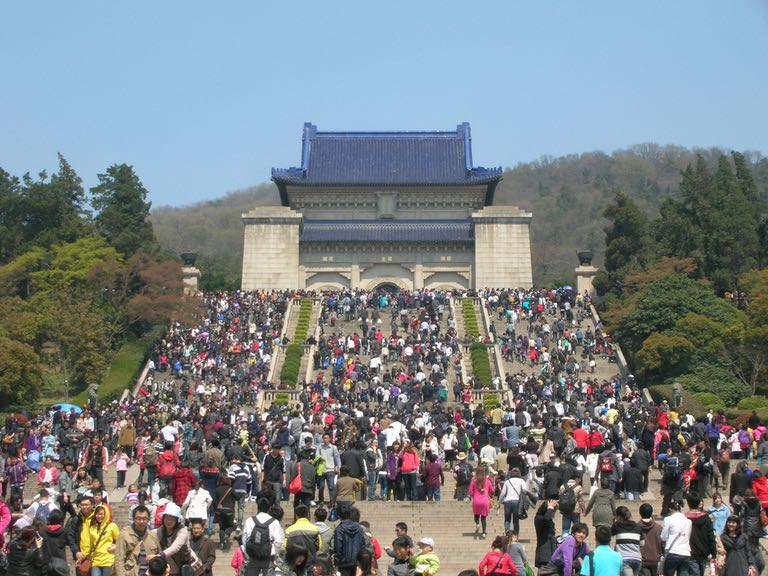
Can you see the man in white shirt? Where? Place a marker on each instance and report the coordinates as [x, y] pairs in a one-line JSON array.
[[676, 538], [169, 433], [276, 535]]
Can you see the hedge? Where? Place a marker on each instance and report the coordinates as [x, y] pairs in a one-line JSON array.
[[281, 399], [690, 402], [481, 365], [753, 403], [470, 318], [710, 401], [302, 326], [491, 400], [289, 374]]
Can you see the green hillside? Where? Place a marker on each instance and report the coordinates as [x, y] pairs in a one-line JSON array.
[[567, 196]]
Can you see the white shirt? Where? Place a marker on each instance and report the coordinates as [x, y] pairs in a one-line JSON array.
[[676, 534], [276, 532]]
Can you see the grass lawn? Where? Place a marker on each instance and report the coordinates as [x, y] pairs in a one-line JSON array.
[[126, 367]]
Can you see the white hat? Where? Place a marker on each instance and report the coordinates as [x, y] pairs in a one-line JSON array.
[[172, 509], [427, 541]]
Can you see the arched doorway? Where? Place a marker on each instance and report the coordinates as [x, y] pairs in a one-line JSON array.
[[387, 287]]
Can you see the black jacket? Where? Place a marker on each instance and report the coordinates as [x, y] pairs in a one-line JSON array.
[[546, 535], [703, 542], [24, 561], [55, 543], [355, 460], [633, 479]]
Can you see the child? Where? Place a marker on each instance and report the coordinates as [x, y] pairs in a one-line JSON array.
[[238, 558], [121, 461], [132, 496], [426, 561]]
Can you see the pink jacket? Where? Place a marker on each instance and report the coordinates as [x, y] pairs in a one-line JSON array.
[[51, 473]]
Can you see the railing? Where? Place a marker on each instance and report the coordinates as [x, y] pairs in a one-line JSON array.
[[282, 396]]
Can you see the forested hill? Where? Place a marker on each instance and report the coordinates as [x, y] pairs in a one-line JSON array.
[[567, 196]]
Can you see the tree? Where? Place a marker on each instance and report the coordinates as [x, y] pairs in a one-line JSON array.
[[123, 210], [11, 229], [662, 356], [54, 210], [627, 237], [730, 230], [21, 374], [663, 302]]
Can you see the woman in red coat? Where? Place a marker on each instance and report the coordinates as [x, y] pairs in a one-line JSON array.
[[497, 561], [760, 487]]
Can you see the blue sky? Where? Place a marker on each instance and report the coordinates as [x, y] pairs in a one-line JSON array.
[[203, 98]]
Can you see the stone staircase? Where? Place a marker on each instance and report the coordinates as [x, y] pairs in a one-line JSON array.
[[450, 523], [604, 370]]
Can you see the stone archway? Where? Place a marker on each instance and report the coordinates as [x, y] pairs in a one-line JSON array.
[[387, 287], [397, 283]]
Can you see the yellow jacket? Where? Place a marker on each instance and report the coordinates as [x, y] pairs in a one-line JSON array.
[[98, 548]]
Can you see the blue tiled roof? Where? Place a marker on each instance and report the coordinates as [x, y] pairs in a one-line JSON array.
[[385, 159], [386, 231]]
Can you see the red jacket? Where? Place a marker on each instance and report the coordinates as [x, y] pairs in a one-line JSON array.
[[581, 437], [183, 481], [760, 486], [488, 565]]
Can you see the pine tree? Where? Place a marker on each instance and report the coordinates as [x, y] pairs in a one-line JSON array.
[[123, 210]]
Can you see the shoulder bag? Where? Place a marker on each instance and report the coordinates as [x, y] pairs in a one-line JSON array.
[[83, 567], [295, 486], [218, 511]]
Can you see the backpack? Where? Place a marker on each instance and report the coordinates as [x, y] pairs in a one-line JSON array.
[[347, 545], [259, 543], [42, 512], [567, 501], [150, 455], [671, 469], [463, 475], [606, 464], [167, 468]]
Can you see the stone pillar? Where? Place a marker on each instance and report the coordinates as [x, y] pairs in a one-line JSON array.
[[585, 274], [190, 275], [271, 249], [502, 248], [354, 277], [418, 276]]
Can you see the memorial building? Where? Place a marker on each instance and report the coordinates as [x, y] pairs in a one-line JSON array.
[[386, 209]]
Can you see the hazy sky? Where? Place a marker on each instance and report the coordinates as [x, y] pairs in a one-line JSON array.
[[203, 98]]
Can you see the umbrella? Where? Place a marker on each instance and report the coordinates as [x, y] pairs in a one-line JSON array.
[[567, 288], [66, 408]]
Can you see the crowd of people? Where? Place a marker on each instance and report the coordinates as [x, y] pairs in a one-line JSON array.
[[375, 424]]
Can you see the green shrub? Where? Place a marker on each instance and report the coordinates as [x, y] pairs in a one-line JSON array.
[[281, 399], [709, 400], [491, 400], [481, 365], [470, 318], [289, 374], [753, 403], [692, 404], [302, 325]]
